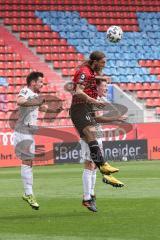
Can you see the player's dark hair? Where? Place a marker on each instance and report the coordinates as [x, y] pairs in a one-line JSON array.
[[33, 76], [96, 55]]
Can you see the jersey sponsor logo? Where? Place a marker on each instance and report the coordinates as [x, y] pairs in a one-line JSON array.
[[6, 138], [82, 78]]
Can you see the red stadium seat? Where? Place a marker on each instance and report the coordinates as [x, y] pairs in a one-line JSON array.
[[2, 73], [2, 65], [17, 57], [80, 57], [11, 89], [10, 65], [123, 86], [140, 94], [24, 35], [18, 65], [25, 64], [3, 89], [46, 28], [11, 106], [10, 80], [138, 86], [56, 64], [56, 57], [155, 94], [39, 42], [2, 49], [18, 72], [2, 57], [2, 115], [150, 103], [54, 42], [46, 49], [155, 86], [156, 102], [147, 94], [146, 86], [71, 49], [15, 28], [72, 56], [131, 86], [65, 72], [31, 35], [9, 57], [48, 57], [2, 43], [9, 73]]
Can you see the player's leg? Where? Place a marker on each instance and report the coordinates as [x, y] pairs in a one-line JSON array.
[[109, 179], [93, 184], [96, 154], [87, 177], [25, 149], [27, 179], [85, 124]]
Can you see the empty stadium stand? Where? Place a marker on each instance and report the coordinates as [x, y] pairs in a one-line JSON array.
[[65, 32]]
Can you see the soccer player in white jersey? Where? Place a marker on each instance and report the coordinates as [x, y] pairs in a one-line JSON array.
[[90, 169], [29, 103]]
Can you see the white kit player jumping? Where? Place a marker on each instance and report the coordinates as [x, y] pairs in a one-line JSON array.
[[29, 102]]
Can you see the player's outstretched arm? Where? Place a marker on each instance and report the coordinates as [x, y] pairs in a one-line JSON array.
[[103, 119], [47, 109], [81, 94], [37, 101]]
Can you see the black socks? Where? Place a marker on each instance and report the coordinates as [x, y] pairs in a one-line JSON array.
[[96, 153]]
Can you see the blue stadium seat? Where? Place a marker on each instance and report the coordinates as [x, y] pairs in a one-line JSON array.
[[125, 55], [3, 81]]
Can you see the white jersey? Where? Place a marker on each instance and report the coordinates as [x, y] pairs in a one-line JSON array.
[[25, 128], [27, 115], [99, 129]]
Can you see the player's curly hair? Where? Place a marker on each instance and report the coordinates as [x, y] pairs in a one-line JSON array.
[[96, 55]]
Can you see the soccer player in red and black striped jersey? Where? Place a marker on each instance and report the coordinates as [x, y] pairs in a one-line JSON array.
[[83, 101]]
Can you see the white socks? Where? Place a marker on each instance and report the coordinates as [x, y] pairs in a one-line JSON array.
[[89, 179], [27, 178], [94, 172]]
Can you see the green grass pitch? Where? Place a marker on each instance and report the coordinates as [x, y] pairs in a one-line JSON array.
[[130, 213]]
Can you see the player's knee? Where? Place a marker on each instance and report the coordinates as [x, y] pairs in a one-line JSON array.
[[27, 162], [89, 165]]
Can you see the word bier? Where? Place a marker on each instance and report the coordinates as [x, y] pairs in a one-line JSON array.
[[67, 152]]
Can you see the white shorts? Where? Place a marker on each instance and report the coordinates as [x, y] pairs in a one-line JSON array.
[[24, 145], [85, 151]]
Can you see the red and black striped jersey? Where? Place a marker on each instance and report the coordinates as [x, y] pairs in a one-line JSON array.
[[86, 77]]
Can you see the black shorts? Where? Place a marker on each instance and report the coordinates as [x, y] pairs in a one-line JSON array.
[[82, 115]]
